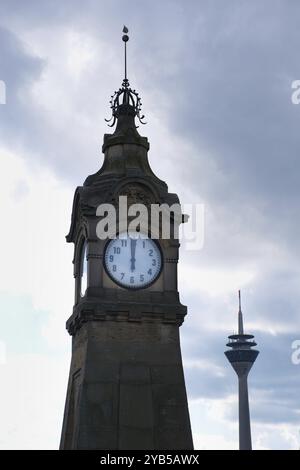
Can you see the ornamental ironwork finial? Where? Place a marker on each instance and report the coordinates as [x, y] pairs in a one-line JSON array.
[[125, 100]]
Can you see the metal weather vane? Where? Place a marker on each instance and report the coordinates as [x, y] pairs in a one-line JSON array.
[[125, 96]]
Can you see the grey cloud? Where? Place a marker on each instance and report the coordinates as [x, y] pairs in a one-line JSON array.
[[218, 75]]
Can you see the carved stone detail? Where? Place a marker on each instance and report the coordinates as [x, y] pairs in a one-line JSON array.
[[136, 194]]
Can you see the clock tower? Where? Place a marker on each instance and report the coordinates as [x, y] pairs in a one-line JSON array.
[[126, 385]]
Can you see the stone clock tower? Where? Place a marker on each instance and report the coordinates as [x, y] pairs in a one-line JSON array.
[[126, 386]]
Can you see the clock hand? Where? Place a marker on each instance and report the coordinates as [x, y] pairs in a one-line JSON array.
[[132, 249]]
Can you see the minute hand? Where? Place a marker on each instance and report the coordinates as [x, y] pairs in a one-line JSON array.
[[132, 249]]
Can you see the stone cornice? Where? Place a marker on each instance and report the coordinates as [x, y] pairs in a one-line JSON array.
[[125, 312]]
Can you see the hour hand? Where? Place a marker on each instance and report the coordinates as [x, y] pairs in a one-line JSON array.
[[132, 250]]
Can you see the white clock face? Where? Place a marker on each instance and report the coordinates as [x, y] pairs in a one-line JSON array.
[[133, 260]]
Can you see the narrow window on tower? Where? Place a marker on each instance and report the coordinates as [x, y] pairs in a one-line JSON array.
[[83, 269]]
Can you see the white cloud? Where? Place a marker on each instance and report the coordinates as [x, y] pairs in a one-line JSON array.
[[32, 395], [204, 365], [210, 428], [214, 282], [36, 261], [213, 430]]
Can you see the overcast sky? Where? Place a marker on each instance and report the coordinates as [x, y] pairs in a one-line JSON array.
[[215, 79]]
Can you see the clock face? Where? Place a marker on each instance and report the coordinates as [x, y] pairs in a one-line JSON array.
[[133, 260]]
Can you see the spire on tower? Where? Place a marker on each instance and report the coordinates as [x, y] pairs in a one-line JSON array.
[[240, 317], [125, 101]]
